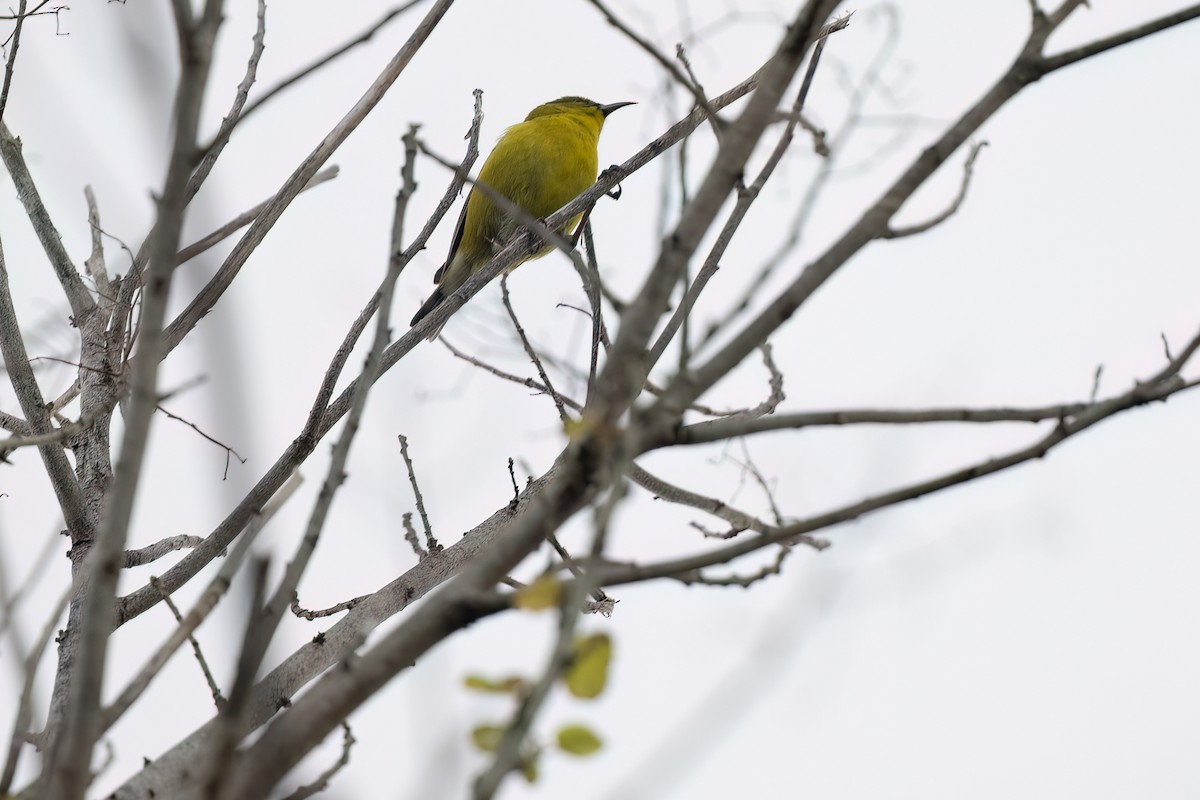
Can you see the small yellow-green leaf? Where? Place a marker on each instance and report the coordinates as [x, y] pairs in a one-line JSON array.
[[578, 740], [487, 737], [543, 593], [529, 768], [510, 685], [577, 428], [588, 671]]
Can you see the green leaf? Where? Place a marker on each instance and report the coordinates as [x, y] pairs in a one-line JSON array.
[[529, 768], [543, 593], [588, 671], [578, 740], [487, 737], [510, 685]]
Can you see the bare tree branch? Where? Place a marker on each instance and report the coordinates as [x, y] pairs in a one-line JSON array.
[[325, 60], [24, 715], [1028, 67], [1065, 59], [721, 429], [204, 605], [269, 616], [244, 219], [212, 292], [580, 469], [858, 97], [153, 552], [70, 754], [627, 365], [1157, 388], [33, 406], [592, 463], [215, 773], [745, 198], [213, 151], [12, 55], [73, 287], [316, 426], [666, 63]]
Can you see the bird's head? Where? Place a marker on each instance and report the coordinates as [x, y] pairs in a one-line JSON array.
[[577, 106]]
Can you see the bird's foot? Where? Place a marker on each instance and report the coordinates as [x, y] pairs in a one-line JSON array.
[[614, 170]]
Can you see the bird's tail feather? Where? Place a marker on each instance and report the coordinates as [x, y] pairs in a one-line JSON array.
[[433, 302]]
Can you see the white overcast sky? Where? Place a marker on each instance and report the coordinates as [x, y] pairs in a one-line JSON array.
[[1032, 635]]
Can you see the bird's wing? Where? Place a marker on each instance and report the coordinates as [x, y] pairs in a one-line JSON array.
[[455, 241]]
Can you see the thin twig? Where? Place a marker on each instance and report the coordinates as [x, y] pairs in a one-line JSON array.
[[73, 287], [714, 120], [322, 781], [431, 543], [592, 288], [25, 703], [151, 553], [216, 773], [499, 373], [204, 301], [743, 581], [213, 689], [37, 12], [203, 606], [285, 592], [94, 264], [245, 218], [911, 230], [15, 39], [37, 416], [666, 63], [1051, 63], [739, 520], [1162, 385], [529, 351], [721, 429], [569, 562], [746, 196], [325, 60], [749, 467], [310, 615], [213, 151], [229, 451], [410, 536]]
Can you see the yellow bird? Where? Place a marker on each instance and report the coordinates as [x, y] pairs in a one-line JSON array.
[[540, 164]]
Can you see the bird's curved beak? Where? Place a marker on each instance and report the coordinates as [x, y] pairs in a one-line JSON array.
[[611, 107]]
